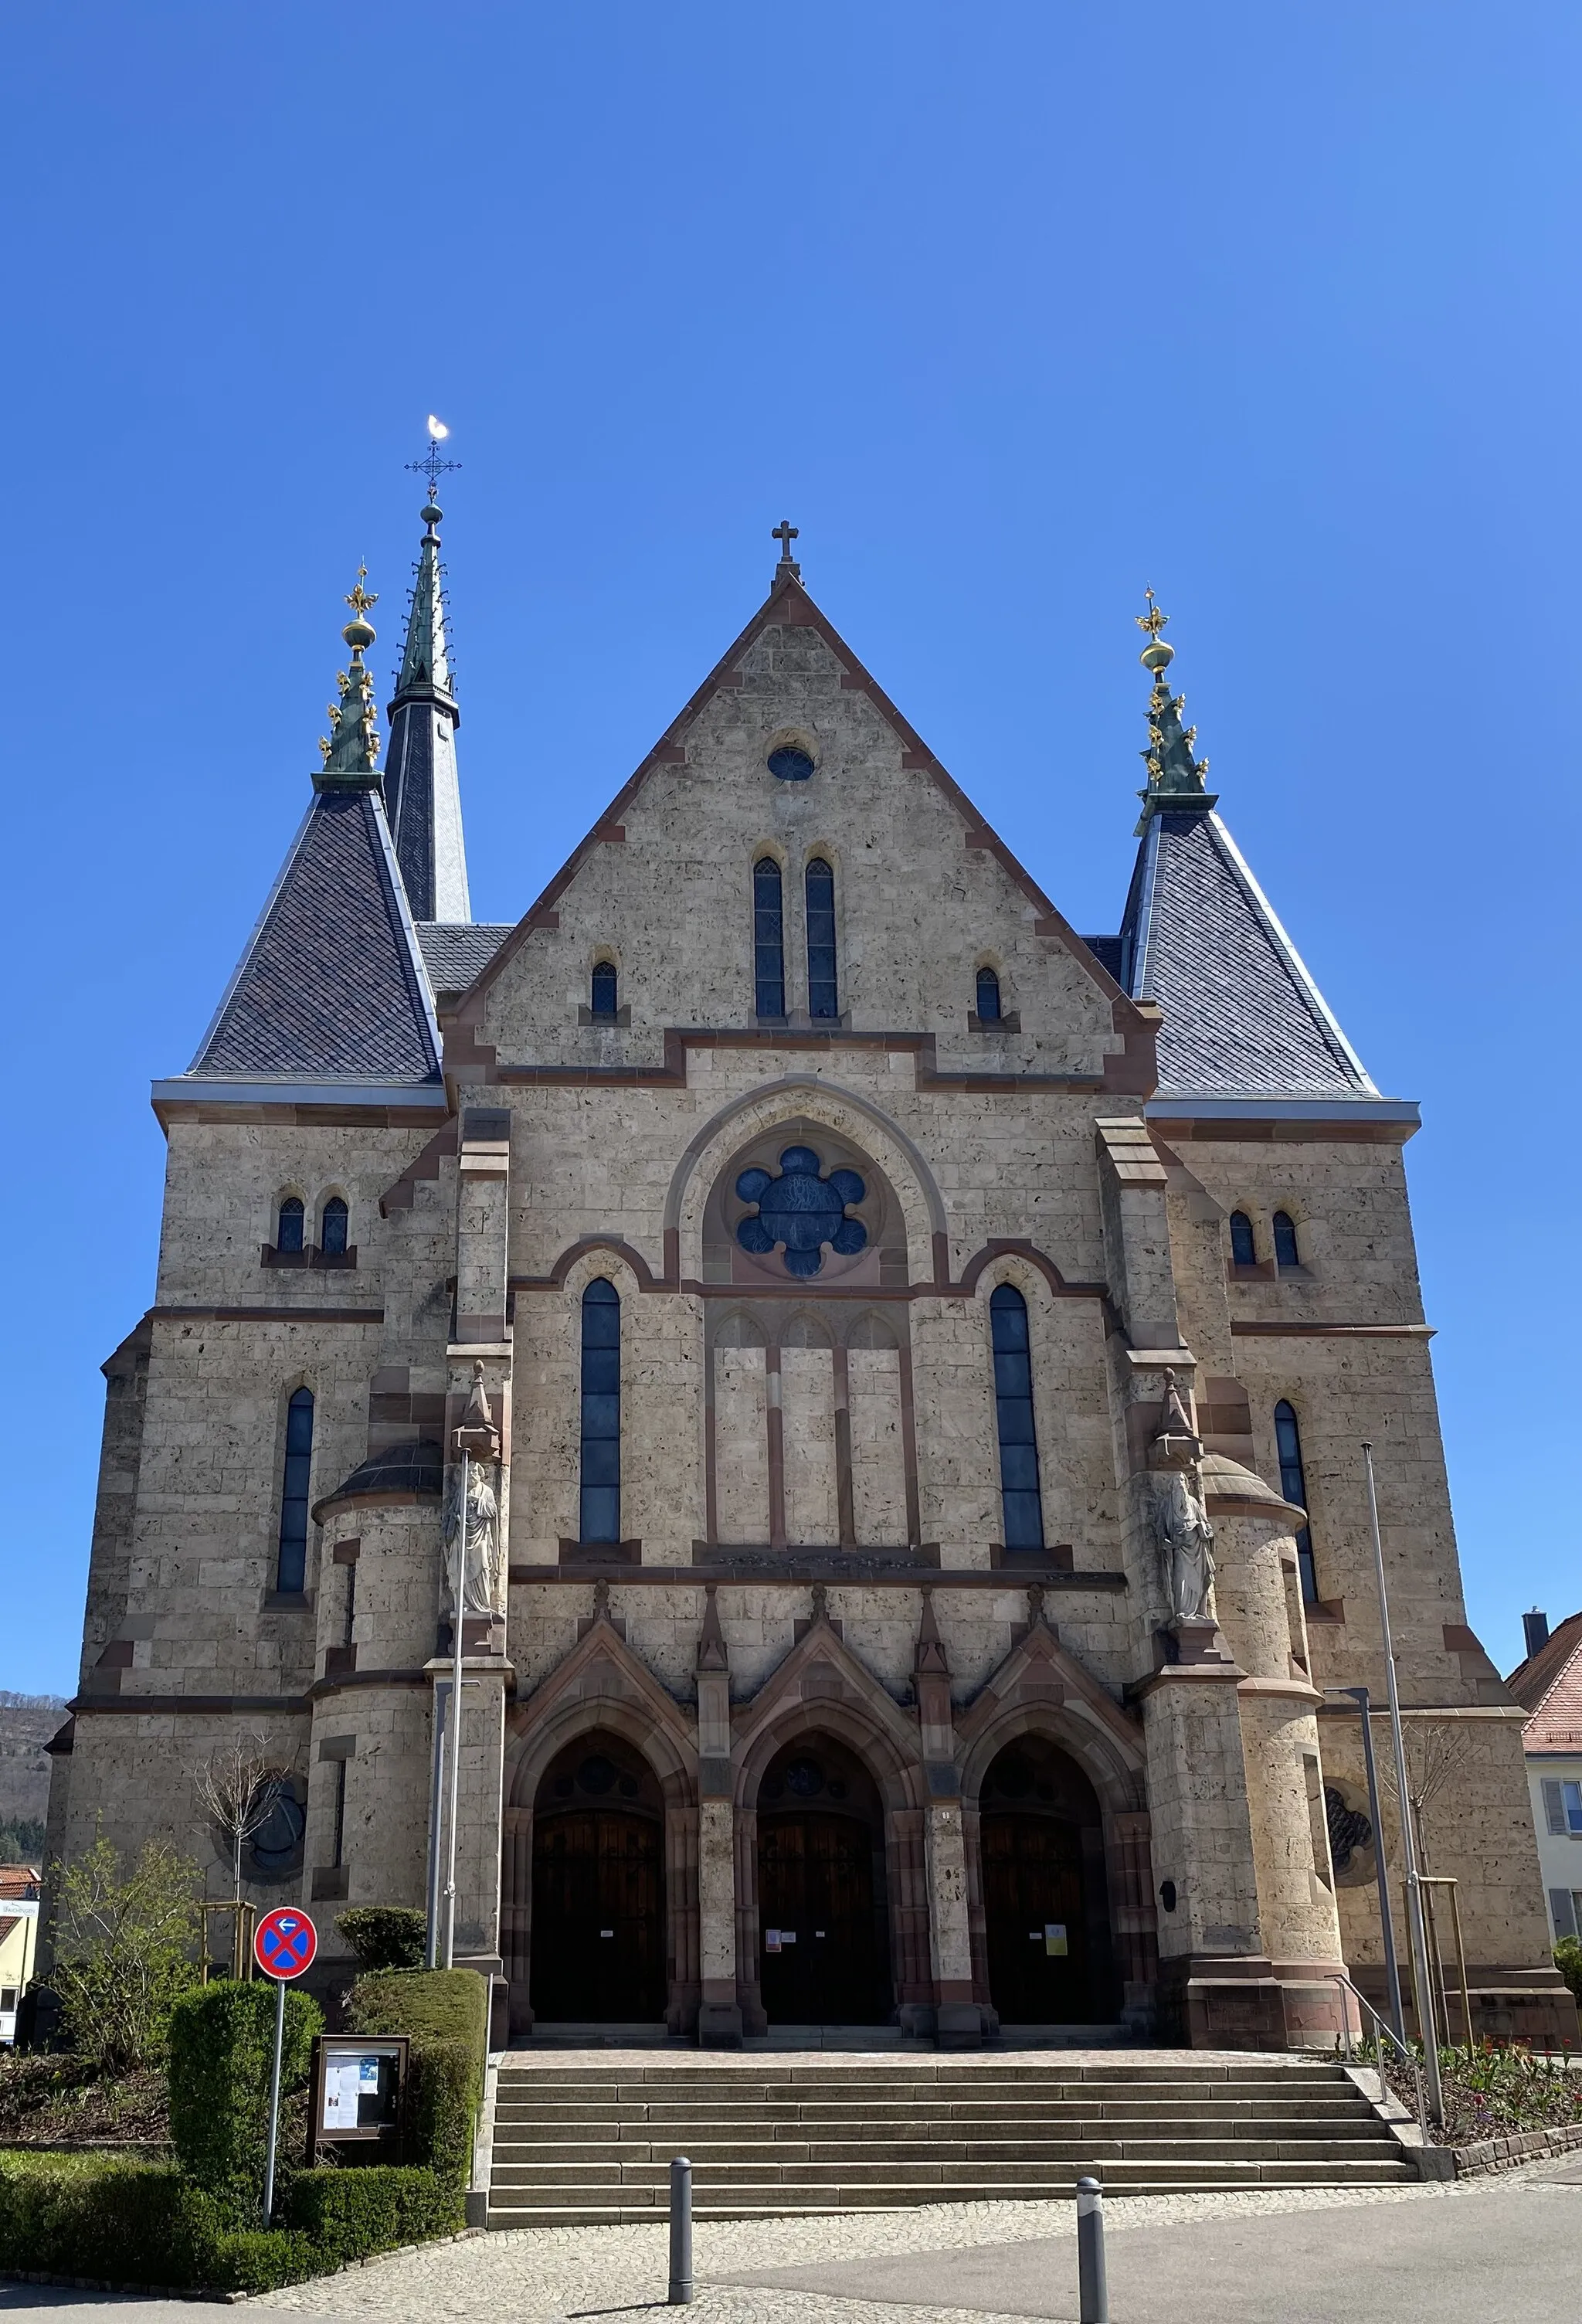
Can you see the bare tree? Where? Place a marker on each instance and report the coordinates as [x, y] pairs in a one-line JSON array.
[[236, 1791], [1437, 1750]]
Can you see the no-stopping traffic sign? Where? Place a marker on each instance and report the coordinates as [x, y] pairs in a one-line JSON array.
[[284, 1942]]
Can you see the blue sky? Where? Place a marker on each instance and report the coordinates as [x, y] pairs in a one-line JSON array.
[[1010, 309]]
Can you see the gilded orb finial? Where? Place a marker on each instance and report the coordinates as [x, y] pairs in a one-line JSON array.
[[359, 631], [1155, 656]]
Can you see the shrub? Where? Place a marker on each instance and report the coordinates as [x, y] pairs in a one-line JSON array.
[[446, 2013], [121, 2222], [1568, 1961], [347, 2214], [123, 1946], [385, 1936], [222, 2051]]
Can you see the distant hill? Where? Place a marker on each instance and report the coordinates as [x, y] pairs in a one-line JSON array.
[[27, 1721]]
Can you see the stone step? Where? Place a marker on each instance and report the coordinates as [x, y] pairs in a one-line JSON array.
[[853, 2158], [1029, 2109], [907, 2073]]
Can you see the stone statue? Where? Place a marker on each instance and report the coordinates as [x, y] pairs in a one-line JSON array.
[[1185, 1539], [480, 1567]]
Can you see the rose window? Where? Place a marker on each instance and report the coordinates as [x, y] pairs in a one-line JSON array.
[[802, 1211]]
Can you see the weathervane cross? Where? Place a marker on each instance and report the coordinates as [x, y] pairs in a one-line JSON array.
[[785, 532], [431, 466]]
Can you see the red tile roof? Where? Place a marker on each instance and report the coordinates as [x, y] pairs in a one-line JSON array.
[[1549, 1685], [18, 1879]]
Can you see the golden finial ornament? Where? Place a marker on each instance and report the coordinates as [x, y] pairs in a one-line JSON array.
[[1155, 656], [359, 631]]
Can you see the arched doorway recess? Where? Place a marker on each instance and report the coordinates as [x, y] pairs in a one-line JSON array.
[[598, 1952], [823, 1917], [1046, 1906]]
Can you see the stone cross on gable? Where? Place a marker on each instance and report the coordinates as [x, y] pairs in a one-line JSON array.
[[785, 532]]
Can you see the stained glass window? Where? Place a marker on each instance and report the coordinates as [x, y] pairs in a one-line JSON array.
[[291, 1562], [603, 1002], [988, 997], [791, 765], [1244, 1250], [802, 1211], [1293, 1485], [1013, 1397], [769, 939], [823, 997], [1285, 1251], [332, 1228], [601, 1413], [289, 1225]]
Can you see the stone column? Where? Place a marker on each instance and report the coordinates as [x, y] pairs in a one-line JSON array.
[[1258, 1595], [719, 2025], [1217, 1987], [958, 2017], [478, 1422]]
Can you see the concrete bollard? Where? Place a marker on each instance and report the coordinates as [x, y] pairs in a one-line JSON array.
[[1092, 2285], [680, 2233]]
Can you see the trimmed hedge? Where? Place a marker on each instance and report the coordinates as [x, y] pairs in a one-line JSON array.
[[385, 1936], [121, 2222], [221, 2050], [446, 2013]]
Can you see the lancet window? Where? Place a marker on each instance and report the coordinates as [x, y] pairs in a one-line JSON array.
[[823, 999], [769, 938], [1293, 1485], [988, 997], [603, 1000], [1013, 1396], [291, 1560], [1285, 1251], [332, 1228], [288, 1224], [599, 1517]]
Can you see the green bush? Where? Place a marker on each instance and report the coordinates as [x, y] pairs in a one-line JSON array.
[[385, 1936], [122, 2222], [124, 1950], [221, 2050], [1568, 1961], [446, 2013], [347, 2214]]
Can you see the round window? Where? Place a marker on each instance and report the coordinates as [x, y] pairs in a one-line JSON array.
[[791, 765]]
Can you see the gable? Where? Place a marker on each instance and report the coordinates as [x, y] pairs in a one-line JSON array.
[[926, 892]]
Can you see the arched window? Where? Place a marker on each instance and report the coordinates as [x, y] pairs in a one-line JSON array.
[[1244, 1251], [288, 1225], [1286, 1250], [600, 1475], [769, 939], [603, 1002], [1293, 1485], [332, 1228], [292, 1563], [988, 997], [1013, 1397], [823, 998]]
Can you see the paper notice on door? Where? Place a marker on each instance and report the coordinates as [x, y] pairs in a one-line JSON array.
[[771, 1941], [1054, 1937], [342, 2078]]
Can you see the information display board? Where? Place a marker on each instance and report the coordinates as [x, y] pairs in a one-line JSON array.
[[359, 2086]]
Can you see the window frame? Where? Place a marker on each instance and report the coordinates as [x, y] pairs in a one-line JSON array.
[[988, 975], [1294, 1473], [341, 1209], [823, 989], [1015, 1422], [769, 939], [605, 975], [1242, 1227], [1283, 1230], [599, 1498], [293, 1209], [295, 1472]]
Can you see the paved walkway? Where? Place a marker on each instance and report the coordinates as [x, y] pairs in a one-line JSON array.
[[1493, 2249]]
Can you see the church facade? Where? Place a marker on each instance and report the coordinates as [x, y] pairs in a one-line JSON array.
[[911, 1363]]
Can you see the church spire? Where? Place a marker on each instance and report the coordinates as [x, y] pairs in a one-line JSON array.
[[422, 796], [1175, 778], [351, 748]]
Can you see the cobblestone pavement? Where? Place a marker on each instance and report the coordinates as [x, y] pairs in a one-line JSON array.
[[543, 2274]]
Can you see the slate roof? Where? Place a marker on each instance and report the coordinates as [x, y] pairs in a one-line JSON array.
[[415, 1468], [1549, 1685], [1241, 1016], [332, 983], [457, 951]]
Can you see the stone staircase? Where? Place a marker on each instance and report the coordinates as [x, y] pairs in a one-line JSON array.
[[581, 2140]]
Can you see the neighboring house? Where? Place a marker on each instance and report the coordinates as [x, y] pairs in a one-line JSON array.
[[1549, 1685], [19, 1929]]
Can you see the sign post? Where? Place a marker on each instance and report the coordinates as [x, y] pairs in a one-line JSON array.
[[283, 1946]]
